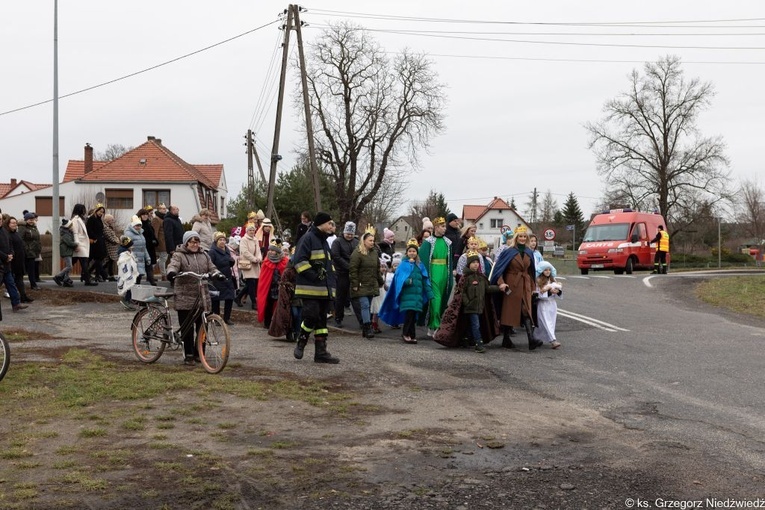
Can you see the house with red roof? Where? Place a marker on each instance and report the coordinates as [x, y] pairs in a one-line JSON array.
[[149, 174], [489, 218]]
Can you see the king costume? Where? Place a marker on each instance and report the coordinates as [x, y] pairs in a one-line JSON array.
[[436, 255]]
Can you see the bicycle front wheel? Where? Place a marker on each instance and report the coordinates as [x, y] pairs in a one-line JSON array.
[[150, 329], [213, 344], [5, 356]]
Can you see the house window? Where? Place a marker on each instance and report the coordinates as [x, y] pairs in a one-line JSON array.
[[222, 209], [44, 206], [154, 197], [496, 222], [119, 198]]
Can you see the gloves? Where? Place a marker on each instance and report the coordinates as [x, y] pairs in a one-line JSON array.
[[171, 276], [322, 274], [220, 277]]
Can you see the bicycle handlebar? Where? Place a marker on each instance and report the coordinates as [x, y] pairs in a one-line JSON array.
[[204, 276]]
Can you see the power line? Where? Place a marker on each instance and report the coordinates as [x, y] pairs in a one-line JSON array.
[[587, 60], [157, 66], [683, 23]]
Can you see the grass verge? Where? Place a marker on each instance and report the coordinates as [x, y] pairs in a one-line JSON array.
[[740, 294]]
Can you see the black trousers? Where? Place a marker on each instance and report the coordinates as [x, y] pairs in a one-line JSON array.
[[410, 323], [315, 315], [227, 305], [190, 335]]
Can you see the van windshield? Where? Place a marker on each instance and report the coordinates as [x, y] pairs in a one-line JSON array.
[[610, 232]]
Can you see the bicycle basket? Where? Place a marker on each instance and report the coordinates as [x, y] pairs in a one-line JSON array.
[[143, 293]]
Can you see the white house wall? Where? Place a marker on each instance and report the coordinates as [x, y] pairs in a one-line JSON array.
[[183, 195]]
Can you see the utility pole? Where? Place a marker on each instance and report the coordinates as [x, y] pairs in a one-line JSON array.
[[534, 207], [275, 156], [293, 22], [250, 172], [306, 104]]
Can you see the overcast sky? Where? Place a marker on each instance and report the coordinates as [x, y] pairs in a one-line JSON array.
[[515, 112]]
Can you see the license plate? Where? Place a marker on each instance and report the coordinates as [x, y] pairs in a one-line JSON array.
[[597, 266]]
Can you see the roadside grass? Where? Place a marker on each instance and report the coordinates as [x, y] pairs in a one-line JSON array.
[[740, 294], [77, 413]]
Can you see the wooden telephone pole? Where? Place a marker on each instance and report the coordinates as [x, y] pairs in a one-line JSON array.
[[293, 22]]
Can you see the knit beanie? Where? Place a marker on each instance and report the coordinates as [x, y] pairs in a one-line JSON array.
[[350, 228], [321, 218], [188, 235]]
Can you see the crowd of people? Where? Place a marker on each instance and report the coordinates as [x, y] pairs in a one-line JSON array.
[[444, 279]]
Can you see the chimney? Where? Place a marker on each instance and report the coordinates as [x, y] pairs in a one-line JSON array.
[[13, 183], [158, 140], [150, 138], [88, 158]]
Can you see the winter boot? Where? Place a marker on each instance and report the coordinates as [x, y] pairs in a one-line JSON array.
[[533, 344], [479, 346], [302, 341], [375, 327], [366, 331], [322, 355], [506, 342]]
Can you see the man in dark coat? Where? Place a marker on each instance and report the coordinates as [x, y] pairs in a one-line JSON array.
[[455, 236], [315, 284], [342, 248], [302, 228], [173, 230]]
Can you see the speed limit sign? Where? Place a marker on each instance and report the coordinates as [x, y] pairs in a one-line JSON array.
[[549, 234]]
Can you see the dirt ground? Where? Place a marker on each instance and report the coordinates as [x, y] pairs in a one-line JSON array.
[[421, 431]]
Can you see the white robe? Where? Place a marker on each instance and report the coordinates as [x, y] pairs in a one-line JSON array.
[[547, 315]]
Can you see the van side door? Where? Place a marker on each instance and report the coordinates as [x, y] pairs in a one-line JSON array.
[[643, 251]]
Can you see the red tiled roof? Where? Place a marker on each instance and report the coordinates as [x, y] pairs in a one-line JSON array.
[[472, 212], [149, 162], [476, 212], [7, 188]]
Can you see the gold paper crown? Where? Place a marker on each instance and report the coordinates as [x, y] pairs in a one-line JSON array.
[[251, 214], [412, 243], [148, 208], [482, 244], [521, 230], [471, 253], [371, 230], [439, 221], [99, 206], [473, 239]]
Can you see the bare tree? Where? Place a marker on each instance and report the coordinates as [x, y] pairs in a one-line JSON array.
[[548, 209], [751, 208], [372, 114], [112, 152], [649, 148]]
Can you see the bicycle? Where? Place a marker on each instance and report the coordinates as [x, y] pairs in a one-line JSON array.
[[5, 356], [153, 332]]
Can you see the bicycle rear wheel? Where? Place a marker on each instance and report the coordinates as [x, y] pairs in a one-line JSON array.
[[5, 356], [213, 343], [149, 328]]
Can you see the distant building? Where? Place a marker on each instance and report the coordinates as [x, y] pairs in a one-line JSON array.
[[150, 174], [403, 230], [488, 220]]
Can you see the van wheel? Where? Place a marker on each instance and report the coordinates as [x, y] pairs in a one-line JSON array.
[[585, 271], [629, 267]]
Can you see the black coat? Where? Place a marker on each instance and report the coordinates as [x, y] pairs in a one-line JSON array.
[[224, 262], [173, 232], [95, 226], [151, 239], [313, 263], [341, 253], [5, 250], [19, 253]]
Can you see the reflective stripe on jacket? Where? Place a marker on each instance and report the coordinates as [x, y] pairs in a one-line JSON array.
[[664, 242]]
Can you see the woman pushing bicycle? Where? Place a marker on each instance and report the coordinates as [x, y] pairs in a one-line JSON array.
[[189, 256]]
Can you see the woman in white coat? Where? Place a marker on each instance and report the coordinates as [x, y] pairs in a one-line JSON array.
[[250, 259], [80, 232]]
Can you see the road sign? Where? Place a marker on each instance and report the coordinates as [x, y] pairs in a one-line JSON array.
[[549, 234]]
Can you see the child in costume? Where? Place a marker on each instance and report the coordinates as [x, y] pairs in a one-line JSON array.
[[473, 245], [474, 289], [547, 306], [408, 293], [128, 271]]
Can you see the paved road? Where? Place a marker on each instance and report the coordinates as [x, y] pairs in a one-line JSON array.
[[636, 349]]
